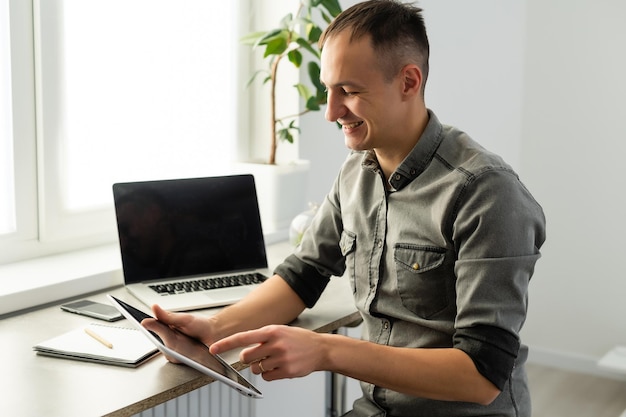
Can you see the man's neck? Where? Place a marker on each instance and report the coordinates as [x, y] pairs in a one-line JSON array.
[[390, 158]]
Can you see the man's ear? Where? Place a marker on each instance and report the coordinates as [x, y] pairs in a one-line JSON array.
[[412, 80]]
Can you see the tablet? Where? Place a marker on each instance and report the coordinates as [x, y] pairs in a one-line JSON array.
[[190, 351]]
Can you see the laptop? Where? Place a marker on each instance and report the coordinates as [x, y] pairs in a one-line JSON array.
[[190, 243]]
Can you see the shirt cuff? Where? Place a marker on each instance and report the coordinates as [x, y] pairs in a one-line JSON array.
[[493, 351], [304, 279]]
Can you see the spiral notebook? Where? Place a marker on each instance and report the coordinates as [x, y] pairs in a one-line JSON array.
[[101, 343]]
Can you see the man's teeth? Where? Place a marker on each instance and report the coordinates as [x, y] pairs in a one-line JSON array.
[[352, 125]]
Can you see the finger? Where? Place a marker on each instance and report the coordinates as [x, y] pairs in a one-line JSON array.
[[149, 324], [272, 369], [268, 372], [238, 340], [161, 329], [272, 375], [255, 367], [158, 311], [254, 354], [259, 366], [171, 319]]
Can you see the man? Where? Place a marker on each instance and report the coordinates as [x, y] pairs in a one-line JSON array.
[[437, 236]]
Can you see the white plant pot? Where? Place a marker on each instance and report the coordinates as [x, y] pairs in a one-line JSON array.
[[281, 191]]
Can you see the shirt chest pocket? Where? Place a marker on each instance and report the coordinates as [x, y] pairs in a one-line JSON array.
[[423, 279]]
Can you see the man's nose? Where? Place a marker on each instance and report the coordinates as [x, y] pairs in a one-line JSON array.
[[335, 109]]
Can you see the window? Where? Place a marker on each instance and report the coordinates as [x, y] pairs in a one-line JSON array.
[[18, 169], [124, 90], [7, 203]]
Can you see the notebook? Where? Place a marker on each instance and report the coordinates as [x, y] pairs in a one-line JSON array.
[[124, 346], [190, 243]]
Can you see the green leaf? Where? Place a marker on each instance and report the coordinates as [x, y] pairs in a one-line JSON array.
[[252, 38], [303, 91], [285, 134], [327, 18], [275, 46], [285, 22], [333, 7], [269, 36], [312, 104], [306, 45], [314, 75], [253, 77], [321, 96], [313, 33], [295, 57]]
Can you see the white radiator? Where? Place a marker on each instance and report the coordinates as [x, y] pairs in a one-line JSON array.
[[319, 394], [213, 400]]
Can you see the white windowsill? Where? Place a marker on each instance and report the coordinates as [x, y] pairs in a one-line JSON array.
[[49, 279], [43, 280]]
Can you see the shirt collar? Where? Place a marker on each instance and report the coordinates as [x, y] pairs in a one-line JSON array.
[[417, 160]]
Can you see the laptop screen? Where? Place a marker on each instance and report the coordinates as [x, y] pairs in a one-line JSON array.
[[188, 227]]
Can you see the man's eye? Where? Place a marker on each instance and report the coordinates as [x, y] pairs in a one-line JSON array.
[[349, 93]]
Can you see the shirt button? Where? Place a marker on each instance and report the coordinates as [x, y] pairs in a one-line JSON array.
[[386, 325], [416, 266], [397, 177], [380, 243]]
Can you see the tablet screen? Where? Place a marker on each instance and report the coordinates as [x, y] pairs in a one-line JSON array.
[[191, 348]]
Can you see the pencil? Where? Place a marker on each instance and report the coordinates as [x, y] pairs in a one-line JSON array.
[[99, 338]]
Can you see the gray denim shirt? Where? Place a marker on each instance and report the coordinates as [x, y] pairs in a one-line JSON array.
[[439, 256]]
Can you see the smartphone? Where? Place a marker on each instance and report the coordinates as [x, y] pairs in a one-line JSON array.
[[93, 309]]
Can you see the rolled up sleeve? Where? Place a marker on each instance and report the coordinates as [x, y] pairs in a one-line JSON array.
[[498, 231]]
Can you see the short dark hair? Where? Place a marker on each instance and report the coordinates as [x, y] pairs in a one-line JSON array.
[[397, 32]]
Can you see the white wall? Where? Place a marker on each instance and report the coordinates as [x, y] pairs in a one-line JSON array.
[[476, 69], [541, 83], [573, 147]]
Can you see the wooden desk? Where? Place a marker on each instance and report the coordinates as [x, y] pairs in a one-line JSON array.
[[33, 385]]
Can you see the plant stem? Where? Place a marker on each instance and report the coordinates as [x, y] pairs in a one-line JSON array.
[[293, 116], [274, 119], [273, 139]]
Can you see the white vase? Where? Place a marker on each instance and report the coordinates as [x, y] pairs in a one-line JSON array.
[[300, 224], [281, 191]]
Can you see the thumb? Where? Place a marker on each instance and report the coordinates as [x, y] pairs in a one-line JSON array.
[[161, 314], [179, 321]]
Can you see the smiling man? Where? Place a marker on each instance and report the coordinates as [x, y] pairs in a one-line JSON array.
[[437, 236]]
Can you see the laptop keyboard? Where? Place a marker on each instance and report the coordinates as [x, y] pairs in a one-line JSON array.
[[208, 283]]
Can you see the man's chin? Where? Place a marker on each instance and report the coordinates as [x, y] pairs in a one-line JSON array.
[[356, 143]]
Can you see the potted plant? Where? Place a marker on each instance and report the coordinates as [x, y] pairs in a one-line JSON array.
[[294, 42]]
